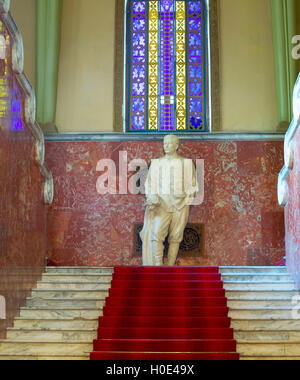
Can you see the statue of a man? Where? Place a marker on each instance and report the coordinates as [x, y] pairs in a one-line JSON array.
[[170, 187]]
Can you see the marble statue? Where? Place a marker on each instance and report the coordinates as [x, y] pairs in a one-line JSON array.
[[171, 186]]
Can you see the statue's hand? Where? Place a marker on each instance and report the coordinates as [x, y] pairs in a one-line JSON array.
[[153, 202], [180, 196]]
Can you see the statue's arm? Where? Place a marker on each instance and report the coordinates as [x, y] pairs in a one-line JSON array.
[[151, 187], [193, 188]]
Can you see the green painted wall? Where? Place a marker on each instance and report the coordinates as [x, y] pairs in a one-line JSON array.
[[85, 85]]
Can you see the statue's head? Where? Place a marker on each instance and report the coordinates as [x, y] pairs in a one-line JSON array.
[[171, 144]]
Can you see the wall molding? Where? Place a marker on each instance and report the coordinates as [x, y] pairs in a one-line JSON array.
[[219, 136], [214, 75], [30, 100], [289, 148]]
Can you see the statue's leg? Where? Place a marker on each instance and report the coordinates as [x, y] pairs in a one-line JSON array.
[[177, 226], [160, 229], [158, 250], [172, 254]]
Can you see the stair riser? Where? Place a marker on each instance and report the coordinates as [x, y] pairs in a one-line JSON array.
[[164, 346], [259, 295], [69, 295], [79, 270], [253, 270], [44, 358], [260, 314], [267, 336], [259, 286], [288, 349], [63, 304], [256, 304], [76, 278], [60, 314], [45, 348], [258, 278], [56, 324], [83, 286], [52, 336], [271, 325]]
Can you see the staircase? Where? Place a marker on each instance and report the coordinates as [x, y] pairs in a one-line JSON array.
[[60, 319], [165, 313], [260, 303]]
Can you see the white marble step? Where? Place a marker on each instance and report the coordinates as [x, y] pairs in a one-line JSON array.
[[58, 314], [12, 357], [243, 336], [50, 303], [45, 285], [260, 294], [55, 324], [268, 358], [283, 303], [268, 349], [261, 277], [260, 314], [266, 286], [69, 294], [266, 324], [253, 270], [78, 270], [42, 348], [70, 277], [87, 335]]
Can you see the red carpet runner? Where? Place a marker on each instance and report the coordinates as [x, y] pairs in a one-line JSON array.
[[165, 313]]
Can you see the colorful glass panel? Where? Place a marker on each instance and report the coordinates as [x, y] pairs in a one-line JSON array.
[[166, 66], [153, 66]]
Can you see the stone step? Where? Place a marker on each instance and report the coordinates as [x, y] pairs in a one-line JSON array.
[[268, 349], [48, 304], [12, 357], [268, 358], [89, 314], [260, 294], [262, 286], [253, 270], [260, 314], [78, 270], [55, 324], [70, 277], [43, 348], [254, 304], [243, 336], [69, 294], [266, 324], [262, 277], [45, 285], [87, 335]]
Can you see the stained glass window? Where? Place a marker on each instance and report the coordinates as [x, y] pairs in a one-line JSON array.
[[167, 70]]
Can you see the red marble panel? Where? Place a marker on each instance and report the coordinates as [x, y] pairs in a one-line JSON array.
[[85, 228], [23, 238], [23, 241]]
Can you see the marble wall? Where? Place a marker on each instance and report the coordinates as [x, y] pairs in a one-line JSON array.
[[243, 223], [292, 216], [22, 219], [23, 240]]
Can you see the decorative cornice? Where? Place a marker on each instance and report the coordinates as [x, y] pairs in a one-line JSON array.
[[289, 148], [30, 104], [156, 137]]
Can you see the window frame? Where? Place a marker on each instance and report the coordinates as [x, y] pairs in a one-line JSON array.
[[212, 88]]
